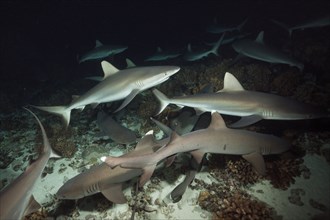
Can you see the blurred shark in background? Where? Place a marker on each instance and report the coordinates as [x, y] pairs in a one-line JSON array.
[[256, 49], [101, 51]]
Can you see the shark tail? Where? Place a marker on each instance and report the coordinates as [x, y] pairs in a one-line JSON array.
[[47, 147], [63, 111], [216, 46], [163, 99]]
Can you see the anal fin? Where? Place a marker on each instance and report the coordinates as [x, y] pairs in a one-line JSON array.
[[114, 193], [245, 121], [257, 161]]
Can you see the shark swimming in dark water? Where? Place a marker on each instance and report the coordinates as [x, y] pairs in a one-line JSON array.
[[101, 51], [116, 85], [251, 106], [258, 50]]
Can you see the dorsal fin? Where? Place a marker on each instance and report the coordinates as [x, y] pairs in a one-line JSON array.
[[230, 83], [130, 63], [98, 43], [108, 69], [189, 47], [159, 50], [217, 122], [147, 141], [260, 37], [174, 136]]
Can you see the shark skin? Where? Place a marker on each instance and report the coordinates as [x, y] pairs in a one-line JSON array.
[[252, 106], [218, 139], [258, 50], [161, 55], [197, 55], [219, 29], [16, 199], [101, 178], [116, 85], [101, 51], [315, 23]]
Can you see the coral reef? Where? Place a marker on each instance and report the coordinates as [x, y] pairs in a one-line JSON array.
[[228, 202], [140, 203], [284, 84], [38, 215], [312, 142], [281, 172]]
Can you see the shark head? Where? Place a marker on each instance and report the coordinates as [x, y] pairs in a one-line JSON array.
[[156, 75]]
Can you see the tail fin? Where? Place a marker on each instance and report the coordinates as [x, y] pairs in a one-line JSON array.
[[47, 147], [164, 101], [63, 111], [217, 45]]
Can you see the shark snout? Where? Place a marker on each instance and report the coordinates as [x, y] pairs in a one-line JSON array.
[[172, 71]]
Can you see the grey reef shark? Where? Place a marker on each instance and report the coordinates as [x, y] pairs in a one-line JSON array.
[[191, 55], [251, 106], [258, 50], [129, 64], [314, 23], [116, 85], [217, 138], [101, 51], [108, 181], [16, 199]]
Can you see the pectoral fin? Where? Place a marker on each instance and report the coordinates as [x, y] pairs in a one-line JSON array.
[[147, 173], [33, 206], [114, 193], [257, 162], [245, 121], [198, 156], [128, 99]]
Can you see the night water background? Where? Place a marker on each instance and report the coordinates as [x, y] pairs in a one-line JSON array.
[[41, 40]]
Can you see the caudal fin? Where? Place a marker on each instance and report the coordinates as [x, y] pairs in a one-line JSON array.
[[216, 46], [63, 111], [164, 101]]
